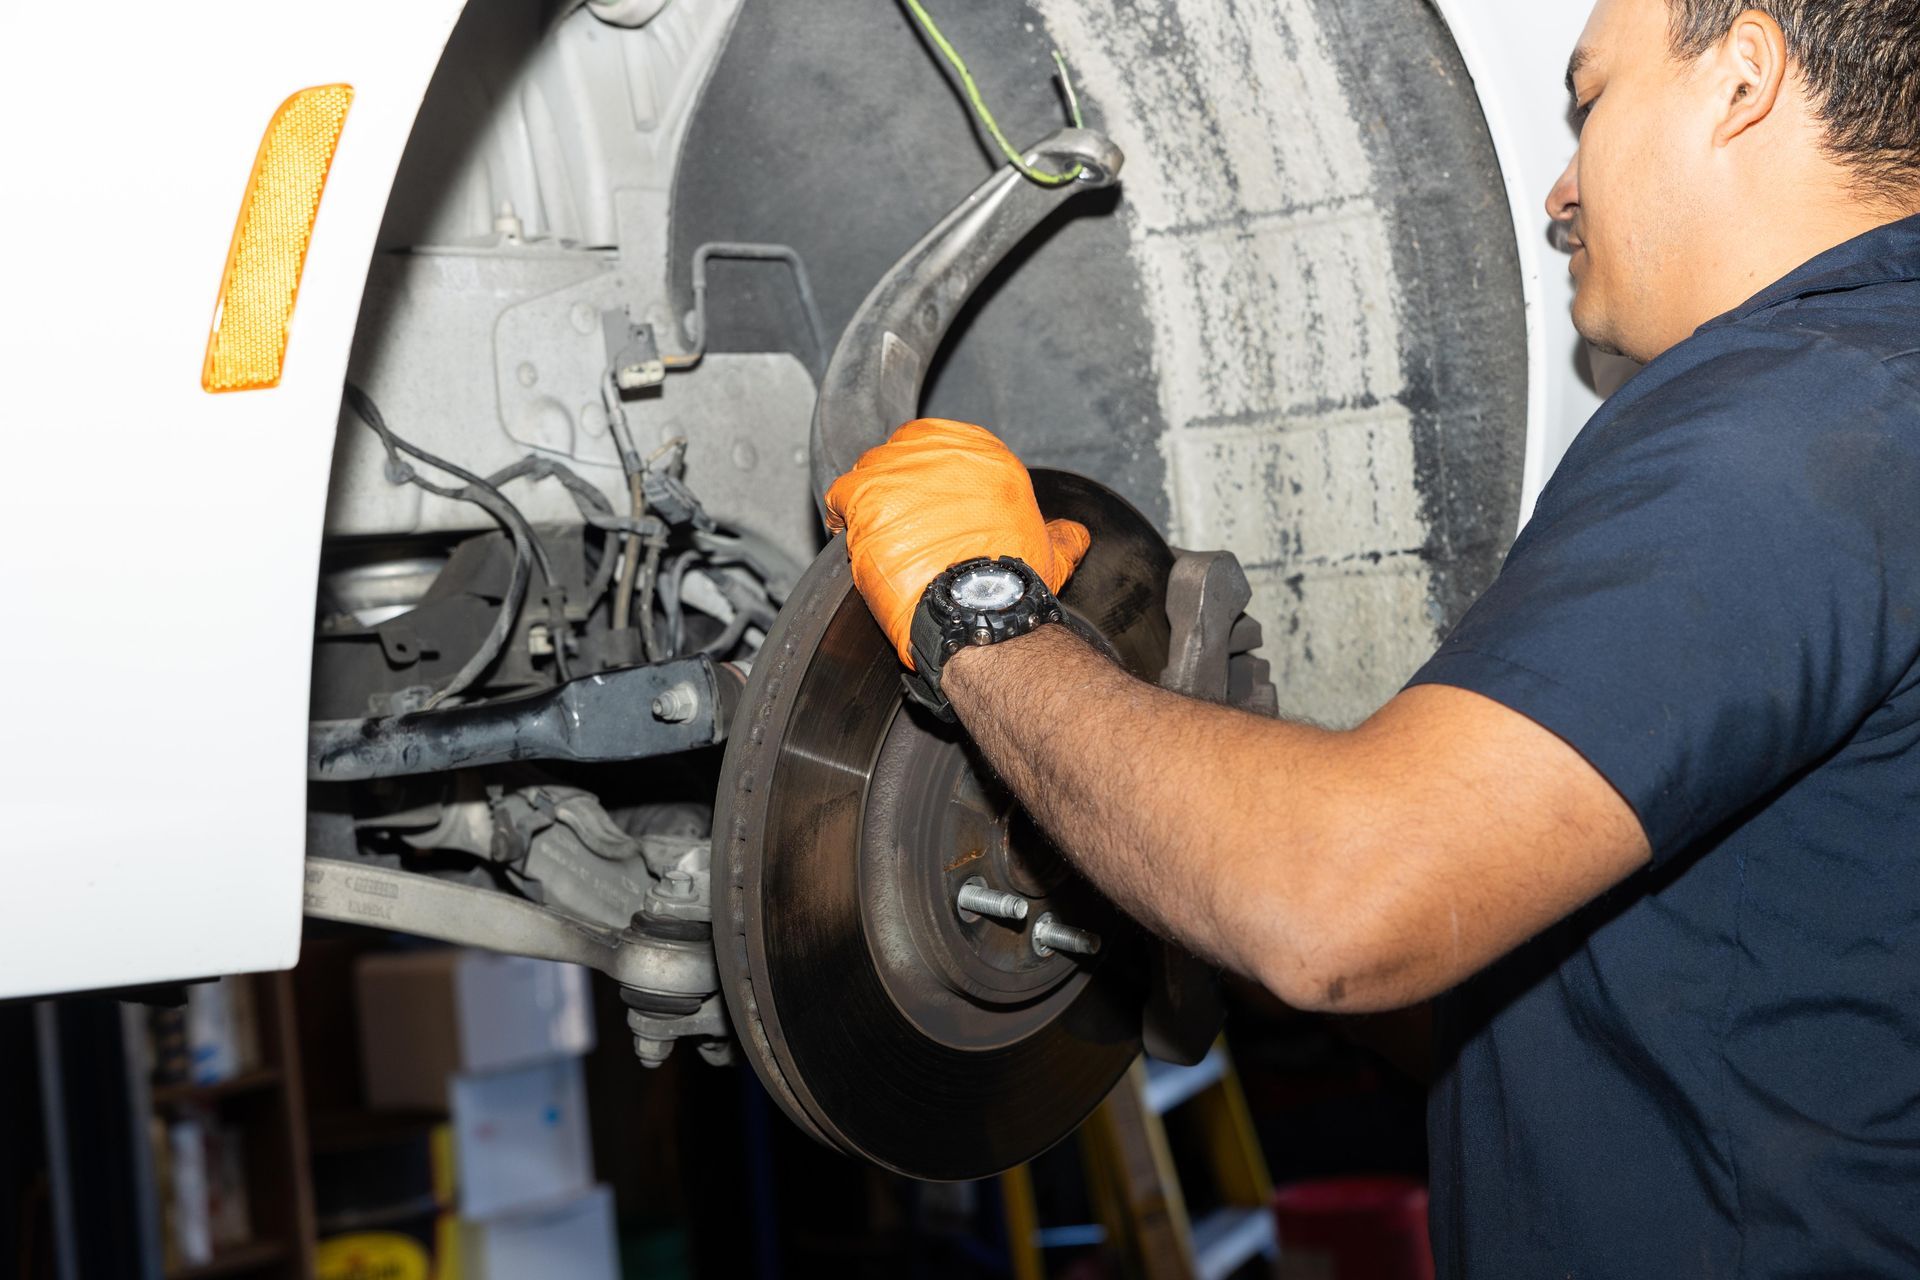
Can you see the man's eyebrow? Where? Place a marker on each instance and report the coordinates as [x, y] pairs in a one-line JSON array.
[[1582, 55]]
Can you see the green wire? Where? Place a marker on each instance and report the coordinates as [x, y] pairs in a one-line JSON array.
[[1014, 157]]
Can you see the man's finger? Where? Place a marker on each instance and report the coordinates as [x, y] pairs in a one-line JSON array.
[[839, 494], [1070, 540]]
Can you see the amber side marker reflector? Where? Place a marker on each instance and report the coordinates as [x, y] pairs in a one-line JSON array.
[[248, 343]]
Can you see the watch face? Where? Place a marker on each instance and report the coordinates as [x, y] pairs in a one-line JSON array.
[[987, 590]]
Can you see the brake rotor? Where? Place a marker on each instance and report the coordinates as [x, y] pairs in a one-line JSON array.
[[884, 1021]]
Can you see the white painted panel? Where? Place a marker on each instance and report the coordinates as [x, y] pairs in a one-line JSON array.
[[152, 780]]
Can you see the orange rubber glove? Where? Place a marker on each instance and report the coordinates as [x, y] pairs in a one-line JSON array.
[[937, 493]]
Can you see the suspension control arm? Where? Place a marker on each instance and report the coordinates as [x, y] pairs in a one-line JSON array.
[[360, 893], [872, 384], [616, 715]]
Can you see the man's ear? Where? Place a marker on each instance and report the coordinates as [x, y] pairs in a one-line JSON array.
[[1750, 66]]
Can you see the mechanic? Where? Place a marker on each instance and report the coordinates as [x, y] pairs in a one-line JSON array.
[[1648, 816]]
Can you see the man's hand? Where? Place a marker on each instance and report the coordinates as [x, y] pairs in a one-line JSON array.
[[937, 493]]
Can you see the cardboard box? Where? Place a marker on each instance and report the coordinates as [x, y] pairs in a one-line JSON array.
[[573, 1239], [426, 1016], [520, 1138]]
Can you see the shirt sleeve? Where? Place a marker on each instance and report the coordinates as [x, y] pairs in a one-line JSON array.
[[1719, 588]]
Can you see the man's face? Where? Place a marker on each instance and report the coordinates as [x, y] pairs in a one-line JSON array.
[[1628, 199]]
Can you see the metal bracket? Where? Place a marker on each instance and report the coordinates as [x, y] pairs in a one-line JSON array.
[[1206, 593], [631, 351], [1211, 653], [872, 384], [356, 893]]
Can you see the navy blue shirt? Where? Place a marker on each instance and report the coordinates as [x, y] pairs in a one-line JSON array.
[[1715, 1069]]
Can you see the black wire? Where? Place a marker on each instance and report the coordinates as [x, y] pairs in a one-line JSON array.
[[526, 545], [507, 513], [670, 600], [595, 511], [592, 504], [777, 571], [602, 573], [720, 646], [644, 592], [747, 611], [585, 496]]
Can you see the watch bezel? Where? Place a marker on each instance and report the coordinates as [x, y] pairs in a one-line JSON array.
[[942, 626]]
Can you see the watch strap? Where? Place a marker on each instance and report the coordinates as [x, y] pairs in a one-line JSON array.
[[940, 628]]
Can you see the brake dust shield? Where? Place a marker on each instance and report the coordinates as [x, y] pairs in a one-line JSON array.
[[882, 1021]]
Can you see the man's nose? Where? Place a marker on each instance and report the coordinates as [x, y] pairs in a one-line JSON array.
[[1564, 200]]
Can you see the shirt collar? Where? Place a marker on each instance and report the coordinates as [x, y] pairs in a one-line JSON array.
[[1879, 256]]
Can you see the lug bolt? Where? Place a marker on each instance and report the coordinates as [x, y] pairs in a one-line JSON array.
[[1049, 936], [676, 705], [977, 900]]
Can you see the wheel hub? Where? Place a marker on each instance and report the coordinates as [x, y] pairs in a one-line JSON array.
[[930, 791]]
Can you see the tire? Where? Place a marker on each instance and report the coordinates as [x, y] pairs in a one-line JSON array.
[[1296, 331]]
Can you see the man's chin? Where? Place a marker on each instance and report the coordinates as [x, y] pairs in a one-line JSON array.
[[1598, 335]]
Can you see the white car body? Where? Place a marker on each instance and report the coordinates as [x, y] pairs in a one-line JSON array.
[[152, 840]]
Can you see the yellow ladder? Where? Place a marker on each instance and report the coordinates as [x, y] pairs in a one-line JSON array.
[[1135, 1190]]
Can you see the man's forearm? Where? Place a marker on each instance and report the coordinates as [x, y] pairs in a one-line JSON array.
[[1350, 870], [1148, 793]]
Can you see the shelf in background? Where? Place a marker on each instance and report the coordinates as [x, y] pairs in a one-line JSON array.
[[258, 1116], [235, 1261], [170, 1095]]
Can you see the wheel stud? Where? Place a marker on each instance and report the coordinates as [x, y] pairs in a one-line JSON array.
[[1049, 936], [976, 899]]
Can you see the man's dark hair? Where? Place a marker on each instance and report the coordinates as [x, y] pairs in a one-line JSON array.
[[1861, 63]]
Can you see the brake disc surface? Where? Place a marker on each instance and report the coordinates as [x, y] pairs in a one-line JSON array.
[[884, 1021]]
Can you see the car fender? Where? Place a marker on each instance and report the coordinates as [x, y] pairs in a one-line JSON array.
[[161, 541]]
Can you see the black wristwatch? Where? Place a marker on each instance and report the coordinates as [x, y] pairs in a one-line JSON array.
[[980, 601]]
